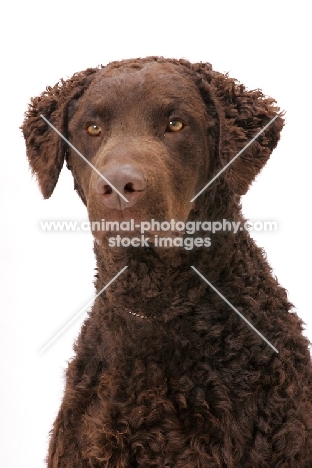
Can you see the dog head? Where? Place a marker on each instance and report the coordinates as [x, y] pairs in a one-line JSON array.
[[143, 137]]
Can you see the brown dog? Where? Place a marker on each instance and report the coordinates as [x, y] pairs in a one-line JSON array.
[[166, 374]]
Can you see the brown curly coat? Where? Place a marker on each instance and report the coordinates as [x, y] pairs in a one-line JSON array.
[[188, 384]]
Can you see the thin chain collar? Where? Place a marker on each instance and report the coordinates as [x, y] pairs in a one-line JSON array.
[[137, 315]]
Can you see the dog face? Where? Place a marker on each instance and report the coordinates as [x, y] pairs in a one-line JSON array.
[[154, 131], [140, 132]]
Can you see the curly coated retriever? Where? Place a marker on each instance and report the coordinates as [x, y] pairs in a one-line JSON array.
[[166, 373]]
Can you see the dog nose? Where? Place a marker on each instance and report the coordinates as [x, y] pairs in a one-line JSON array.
[[127, 179]]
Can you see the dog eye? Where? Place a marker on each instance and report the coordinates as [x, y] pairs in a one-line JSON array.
[[93, 130], [175, 126]]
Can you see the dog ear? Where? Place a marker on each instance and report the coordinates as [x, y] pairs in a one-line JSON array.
[[46, 150], [246, 113]]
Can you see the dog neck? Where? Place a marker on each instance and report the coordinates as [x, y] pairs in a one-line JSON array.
[[156, 282]]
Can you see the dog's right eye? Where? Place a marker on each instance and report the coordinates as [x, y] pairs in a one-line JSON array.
[[93, 130]]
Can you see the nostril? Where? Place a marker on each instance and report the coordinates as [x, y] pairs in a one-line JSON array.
[[107, 190], [129, 187]]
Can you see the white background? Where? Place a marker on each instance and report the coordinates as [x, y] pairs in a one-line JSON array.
[[47, 278]]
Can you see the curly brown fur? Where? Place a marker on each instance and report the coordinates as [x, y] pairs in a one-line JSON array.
[[190, 385]]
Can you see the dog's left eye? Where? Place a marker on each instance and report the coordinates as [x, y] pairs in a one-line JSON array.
[[93, 130], [175, 126]]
